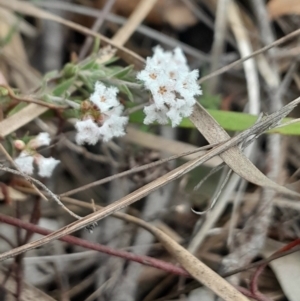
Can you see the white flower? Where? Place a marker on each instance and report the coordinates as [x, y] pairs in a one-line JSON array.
[[180, 60], [187, 85], [172, 85], [104, 98], [27, 157], [46, 166], [113, 127], [25, 162], [155, 114], [108, 124], [160, 57], [42, 139], [87, 131]]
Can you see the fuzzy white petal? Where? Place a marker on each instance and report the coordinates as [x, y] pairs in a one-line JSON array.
[[87, 132], [46, 166], [114, 126], [187, 85], [104, 97], [25, 163], [155, 114], [42, 139]]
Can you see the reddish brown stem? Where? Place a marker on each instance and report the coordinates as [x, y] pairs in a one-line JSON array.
[[146, 260], [247, 293], [260, 269]]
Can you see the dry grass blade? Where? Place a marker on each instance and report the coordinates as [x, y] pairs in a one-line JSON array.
[[258, 128], [255, 53], [21, 118], [29, 292], [190, 263], [138, 15], [233, 157], [287, 269], [160, 143], [28, 9], [200, 271]]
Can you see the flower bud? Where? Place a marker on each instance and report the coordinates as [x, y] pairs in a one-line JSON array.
[[19, 144]]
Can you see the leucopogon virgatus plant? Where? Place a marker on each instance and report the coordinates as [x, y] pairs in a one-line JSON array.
[[172, 86]]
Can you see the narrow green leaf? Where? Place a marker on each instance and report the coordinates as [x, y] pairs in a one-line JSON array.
[[125, 89], [89, 64], [121, 73], [60, 89], [230, 121], [17, 108]]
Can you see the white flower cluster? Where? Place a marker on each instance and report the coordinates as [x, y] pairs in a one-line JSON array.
[[28, 156], [101, 119], [172, 85]]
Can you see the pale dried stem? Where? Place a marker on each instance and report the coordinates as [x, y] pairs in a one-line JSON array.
[[220, 31], [250, 241], [96, 27]]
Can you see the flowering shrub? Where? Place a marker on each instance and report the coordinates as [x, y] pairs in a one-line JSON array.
[[166, 75], [172, 85], [101, 118], [29, 156]]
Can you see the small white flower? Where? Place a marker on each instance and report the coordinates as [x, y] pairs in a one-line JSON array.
[[160, 57], [113, 127], [42, 139], [87, 132], [152, 75], [27, 157], [46, 166], [155, 114], [187, 85], [108, 124], [172, 85], [104, 98], [180, 60], [25, 162]]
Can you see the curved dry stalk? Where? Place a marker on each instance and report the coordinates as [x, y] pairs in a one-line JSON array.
[[220, 30], [255, 53], [138, 15], [145, 30], [226, 150], [50, 193], [135, 170], [96, 27], [30, 10], [27, 99]]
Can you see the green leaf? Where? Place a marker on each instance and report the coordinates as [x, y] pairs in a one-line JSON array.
[[17, 108], [63, 87], [51, 74], [210, 101], [89, 64], [125, 90], [96, 45], [231, 121], [120, 74], [4, 41]]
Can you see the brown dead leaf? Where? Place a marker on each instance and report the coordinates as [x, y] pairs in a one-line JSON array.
[[233, 157], [29, 292], [14, 122], [13, 194], [173, 12], [278, 8], [287, 269]]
